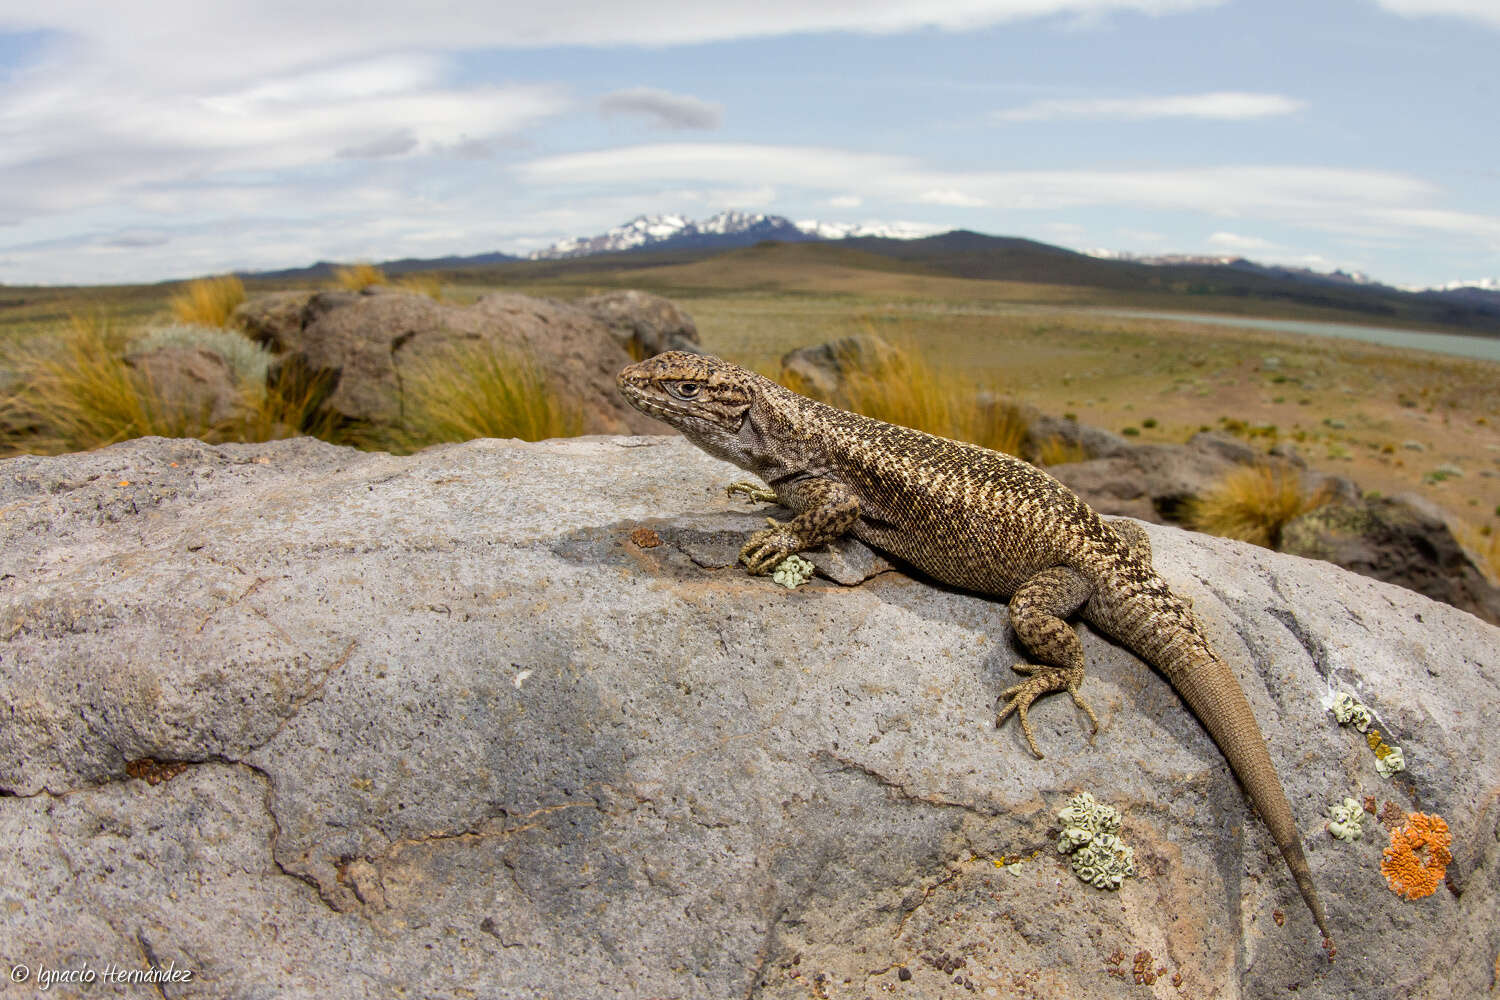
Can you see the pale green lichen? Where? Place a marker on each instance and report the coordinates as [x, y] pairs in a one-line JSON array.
[[1391, 763], [1090, 834], [1345, 819], [1104, 862], [1348, 710], [792, 572]]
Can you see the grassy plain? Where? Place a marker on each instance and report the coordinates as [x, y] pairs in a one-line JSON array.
[[1392, 420]]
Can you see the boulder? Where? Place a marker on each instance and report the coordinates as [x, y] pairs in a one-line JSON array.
[[1152, 482], [1403, 540], [644, 324], [194, 383], [358, 343], [308, 721], [274, 319], [823, 368], [1093, 442]]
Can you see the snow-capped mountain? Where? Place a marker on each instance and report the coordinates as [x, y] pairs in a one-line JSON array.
[[726, 229], [1482, 284]]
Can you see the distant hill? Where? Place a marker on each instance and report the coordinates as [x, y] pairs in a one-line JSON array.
[[1199, 283], [722, 231]]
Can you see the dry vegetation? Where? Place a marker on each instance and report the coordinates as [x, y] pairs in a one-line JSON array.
[[209, 301], [358, 277], [484, 391], [904, 388], [1253, 504]]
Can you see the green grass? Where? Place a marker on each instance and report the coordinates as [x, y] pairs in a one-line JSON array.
[[208, 301], [485, 391]]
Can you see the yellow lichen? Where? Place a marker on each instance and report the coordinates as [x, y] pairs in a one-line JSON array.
[[1418, 857]]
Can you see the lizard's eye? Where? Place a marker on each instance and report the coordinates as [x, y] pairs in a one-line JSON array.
[[686, 390]]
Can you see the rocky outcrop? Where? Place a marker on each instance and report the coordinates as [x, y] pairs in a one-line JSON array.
[[192, 383], [644, 324], [1404, 540], [357, 345], [821, 370], [495, 719], [1153, 482]]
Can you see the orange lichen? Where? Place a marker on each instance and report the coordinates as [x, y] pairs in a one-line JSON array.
[[1418, 857], [1377, 744]]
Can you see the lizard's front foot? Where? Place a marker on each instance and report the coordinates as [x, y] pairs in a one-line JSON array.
[[769, 546], [754, 492], [1042, 680]]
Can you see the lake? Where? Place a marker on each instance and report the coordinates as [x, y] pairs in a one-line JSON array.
[[1485, 348]]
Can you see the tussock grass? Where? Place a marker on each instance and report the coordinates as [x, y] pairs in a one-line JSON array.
[[1484, 547], [485, 390], [358, 277], [1060, 451], [904, 389], [423, 283], [1253, 504], [209, 301], [82, 395]]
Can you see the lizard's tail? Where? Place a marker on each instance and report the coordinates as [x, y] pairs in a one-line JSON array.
[[1214, 694]]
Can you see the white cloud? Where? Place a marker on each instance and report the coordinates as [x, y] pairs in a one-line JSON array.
[[1487, 11], [1331, 199], [1236, 242], [663, 109], [845, 201], [1227, 105], [176, 38], [948, 196]]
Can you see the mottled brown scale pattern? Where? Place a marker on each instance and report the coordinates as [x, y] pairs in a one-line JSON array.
[[974, 519]]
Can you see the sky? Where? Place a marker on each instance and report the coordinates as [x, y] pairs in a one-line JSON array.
[[165, 139]]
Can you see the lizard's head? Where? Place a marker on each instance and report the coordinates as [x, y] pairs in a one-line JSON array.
[[698, 394]]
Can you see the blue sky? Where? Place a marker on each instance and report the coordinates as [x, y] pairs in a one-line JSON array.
[[173, 138]]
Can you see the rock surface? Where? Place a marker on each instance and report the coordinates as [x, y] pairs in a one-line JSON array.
[[190, 382], [479, 722], [644, 324], [359, 344]]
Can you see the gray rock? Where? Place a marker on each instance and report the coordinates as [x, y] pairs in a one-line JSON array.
[[475, 722], [1093, 442], [1152, 482], [192, 383], [358, 344], [1403, 540], [823, 368], [644, 324], [274, 319]]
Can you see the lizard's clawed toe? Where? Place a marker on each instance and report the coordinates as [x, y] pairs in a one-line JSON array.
[[767, 547], [1042, 680]]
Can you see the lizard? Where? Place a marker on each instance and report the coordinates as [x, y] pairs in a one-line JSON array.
[[974, 519]]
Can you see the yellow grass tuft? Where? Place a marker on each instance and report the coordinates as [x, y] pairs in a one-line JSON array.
[[423, 283], [358, 277], [1060, 451], [904, 389], [209, 301], [83, 395], [1485, 548], [1253, 504], [482, 391]]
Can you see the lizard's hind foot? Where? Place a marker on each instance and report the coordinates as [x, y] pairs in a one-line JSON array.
[[1042, 680]]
